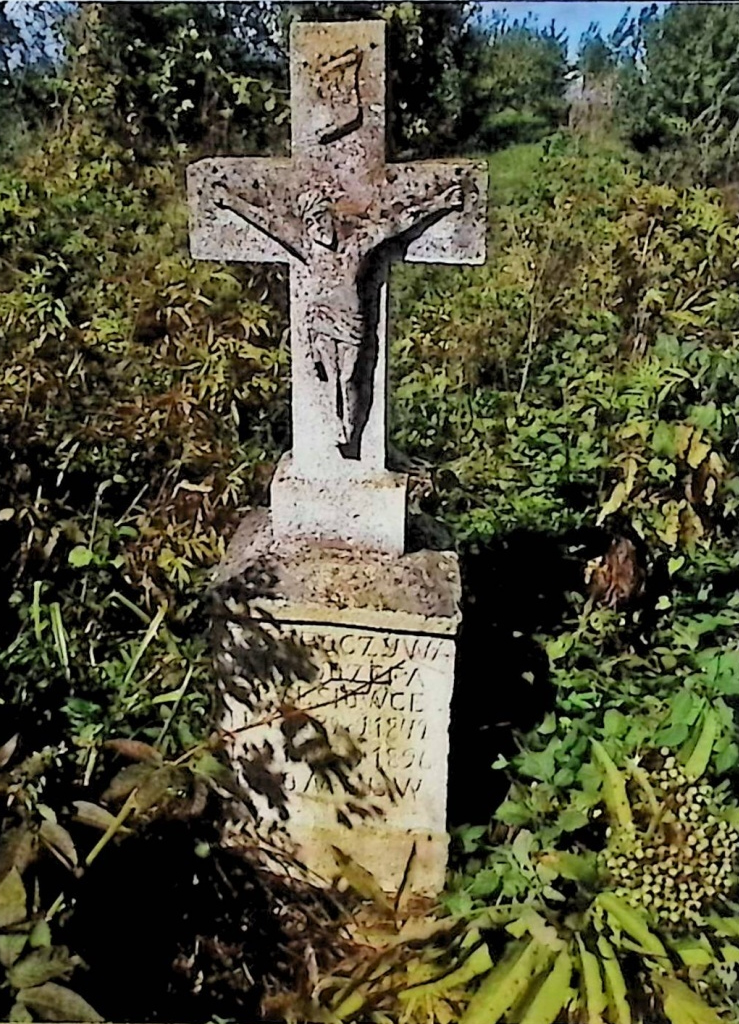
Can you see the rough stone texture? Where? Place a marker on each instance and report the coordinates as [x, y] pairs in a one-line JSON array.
[[337, 580], [338, 215], [348, 661], [371, 516]]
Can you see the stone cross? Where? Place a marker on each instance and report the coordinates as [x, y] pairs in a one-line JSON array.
[[338, 215]]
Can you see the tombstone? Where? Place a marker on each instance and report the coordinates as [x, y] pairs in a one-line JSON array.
[[352, 755]]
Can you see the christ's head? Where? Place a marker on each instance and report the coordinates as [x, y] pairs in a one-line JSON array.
[[314, 210]]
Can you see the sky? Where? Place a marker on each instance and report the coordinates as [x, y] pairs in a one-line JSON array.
[[573, 16]]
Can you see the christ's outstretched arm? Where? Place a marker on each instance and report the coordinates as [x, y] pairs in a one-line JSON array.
[[419, 214], [282, 228]]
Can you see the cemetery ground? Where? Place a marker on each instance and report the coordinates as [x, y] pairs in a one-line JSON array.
[[568, 415]]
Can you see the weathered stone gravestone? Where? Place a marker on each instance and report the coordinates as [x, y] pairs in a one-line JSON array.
[[355, 760]]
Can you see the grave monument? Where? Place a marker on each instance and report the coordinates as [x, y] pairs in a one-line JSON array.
[[352, 755]]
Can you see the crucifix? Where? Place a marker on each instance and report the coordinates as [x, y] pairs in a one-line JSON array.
[[338, 215]]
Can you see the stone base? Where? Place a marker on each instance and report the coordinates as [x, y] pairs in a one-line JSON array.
[[390, 854], [358, 748], [337, 509]]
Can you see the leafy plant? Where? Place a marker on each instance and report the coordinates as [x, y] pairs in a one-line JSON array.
[[31, 965], [633, 931], [679, 92]]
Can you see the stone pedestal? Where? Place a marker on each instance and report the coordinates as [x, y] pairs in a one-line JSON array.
[[334, 508], [355, 653]]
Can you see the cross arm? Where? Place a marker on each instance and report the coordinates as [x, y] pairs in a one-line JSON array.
[[240, 209], [440, 208]]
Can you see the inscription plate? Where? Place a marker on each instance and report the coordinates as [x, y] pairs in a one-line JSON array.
[[382, 697]]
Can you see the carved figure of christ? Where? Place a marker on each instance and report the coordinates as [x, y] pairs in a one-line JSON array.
[[338, 215], [345, 258]]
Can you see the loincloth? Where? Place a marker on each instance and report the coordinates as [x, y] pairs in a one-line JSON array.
[[339, 324]]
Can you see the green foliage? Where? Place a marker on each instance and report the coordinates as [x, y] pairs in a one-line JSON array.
[[575, 934], [595, 57], [680, 97], [26, 81], [514, 91], [142, 401], [607, 303], [644, 907], [583, 381], [204, 75], [123, 394], [31, 966]]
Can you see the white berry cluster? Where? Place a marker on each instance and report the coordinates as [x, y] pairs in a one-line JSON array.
[[684, 859]]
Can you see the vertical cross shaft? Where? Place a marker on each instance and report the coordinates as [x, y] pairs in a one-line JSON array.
[[338, 215]]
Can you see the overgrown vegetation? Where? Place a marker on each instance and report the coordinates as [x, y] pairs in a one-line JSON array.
[[571, 411], [679, 103]]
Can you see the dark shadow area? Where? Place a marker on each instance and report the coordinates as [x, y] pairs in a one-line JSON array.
[[514, 587], [174, 926], [371, 276], [190, 931], [176, 914], [272, 675]]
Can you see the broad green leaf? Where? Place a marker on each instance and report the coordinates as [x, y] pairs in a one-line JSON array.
[[208, 765], [577, 867], [700, 756], [730, 953], [663, 439], [93, 815], [672, 735], [694, 952], [127, 780], [154, 788], [684, 1006], [134, 750], [20, 1014], [539, 764], [8, 749], [511, 812], [80, 556], [727, 757], [614, 789], [57, 837], [57, 1003], [11, 947], [572, 819], [168, 698], [552, 995], [698, 450], [614, 723], [470, 837], [685, 707], [614, 503], [40, 935], [559, 647], [12, 899], [507, 982], [42, 965], [531, 922]]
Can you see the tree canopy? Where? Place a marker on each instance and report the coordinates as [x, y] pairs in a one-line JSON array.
[[680, 92]]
